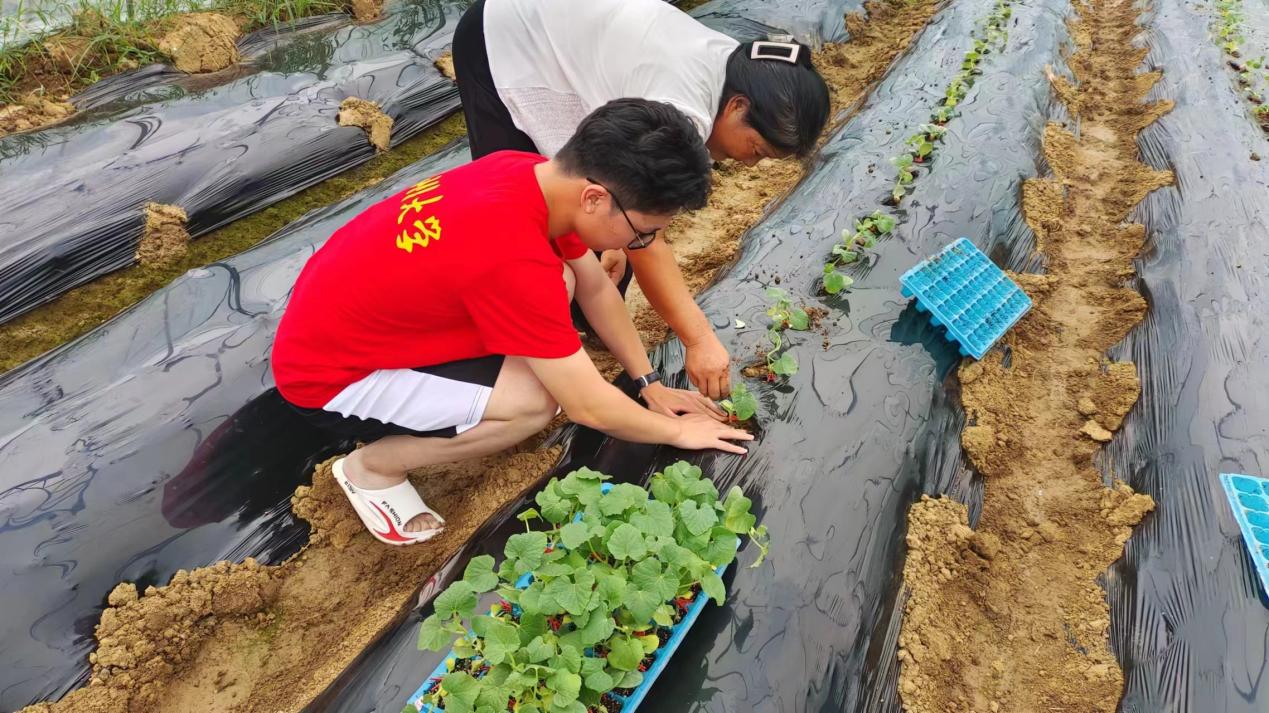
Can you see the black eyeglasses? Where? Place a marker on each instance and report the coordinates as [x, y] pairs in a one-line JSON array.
[[642, 239]]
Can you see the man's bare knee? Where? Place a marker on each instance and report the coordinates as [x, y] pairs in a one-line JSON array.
[[539, 407]]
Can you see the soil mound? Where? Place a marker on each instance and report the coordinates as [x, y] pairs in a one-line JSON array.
[[367, 10], [165, 240], [367, 115], [201, 42]]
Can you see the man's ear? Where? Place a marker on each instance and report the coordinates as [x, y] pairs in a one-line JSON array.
[[592, 197]]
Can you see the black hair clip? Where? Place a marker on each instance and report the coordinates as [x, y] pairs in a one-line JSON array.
[[783, 51]]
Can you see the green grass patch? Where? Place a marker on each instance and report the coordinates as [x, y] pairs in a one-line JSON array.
[[91, 305]]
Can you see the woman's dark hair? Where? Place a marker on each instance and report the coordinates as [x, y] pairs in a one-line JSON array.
[[649, 154], [788, 102]]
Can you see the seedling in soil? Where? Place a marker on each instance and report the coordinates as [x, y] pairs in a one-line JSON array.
[[608, 575], [741, 406], [867, 232], [943, 114], [783, 316], [922, 147]]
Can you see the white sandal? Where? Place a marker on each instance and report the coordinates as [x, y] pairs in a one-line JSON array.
[[385, 512]]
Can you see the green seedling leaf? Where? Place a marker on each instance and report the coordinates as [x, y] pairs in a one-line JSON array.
[[501, 640], [712, 586], [697, 519], [845, 254], [624, 653], [736, 515], [786, 365], [884, 223], [460, 686], [744, 405], [663, 616], [623, 497], [902, 161], [835, 282], [457, 600], [528, 549], [626, 543], [480, 575], [555, 509], [650, 642], [432, 635], [567, 685], [798, 320], [600, 681], [572, 593], [574, 534], [641, 604], [631, 679], [650, 576], [539, 650], [530, 514]]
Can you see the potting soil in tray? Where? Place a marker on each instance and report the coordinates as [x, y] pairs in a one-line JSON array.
[[964, 291], [660, 657]]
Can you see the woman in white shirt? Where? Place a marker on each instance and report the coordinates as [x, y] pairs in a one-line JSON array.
[[530, 70]]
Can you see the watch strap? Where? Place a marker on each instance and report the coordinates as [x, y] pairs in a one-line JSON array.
[[647, 380]]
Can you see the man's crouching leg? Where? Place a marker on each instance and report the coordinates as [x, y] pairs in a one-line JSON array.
[[518, 407]]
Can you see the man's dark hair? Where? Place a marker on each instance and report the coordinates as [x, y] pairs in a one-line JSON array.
[[788, 102], [647, 153]]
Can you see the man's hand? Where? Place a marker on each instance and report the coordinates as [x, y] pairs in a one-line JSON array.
[[614, 263], [709, 366], [673, 402], [698, 433]]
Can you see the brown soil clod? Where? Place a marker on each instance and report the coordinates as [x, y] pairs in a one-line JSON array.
[[33, 112], [201, 42], [367, 10], [445, 65], [165, 240], [367, 115], [1021, 626]]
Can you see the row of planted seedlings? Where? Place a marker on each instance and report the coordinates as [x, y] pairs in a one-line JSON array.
[[1251, 73], [921, 148], [591, 598]]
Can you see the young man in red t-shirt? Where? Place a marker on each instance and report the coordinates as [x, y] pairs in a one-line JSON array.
[[402, 331]]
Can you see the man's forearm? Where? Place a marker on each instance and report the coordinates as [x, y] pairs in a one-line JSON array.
[[662, 283], [608, 316]]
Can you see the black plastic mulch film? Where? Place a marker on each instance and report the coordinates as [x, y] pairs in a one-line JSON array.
[[72, 197], [155, 443]]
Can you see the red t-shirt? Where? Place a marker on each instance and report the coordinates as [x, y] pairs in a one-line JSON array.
[[458, 266]]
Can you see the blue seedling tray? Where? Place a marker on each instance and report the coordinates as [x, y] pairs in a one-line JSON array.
[[1249, 499], [964, 291], [660, 657]]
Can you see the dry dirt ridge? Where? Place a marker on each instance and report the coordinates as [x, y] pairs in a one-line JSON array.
[[1010, 616]]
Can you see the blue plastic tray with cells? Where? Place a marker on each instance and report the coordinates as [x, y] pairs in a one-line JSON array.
[[964, 291], [1249, 499]]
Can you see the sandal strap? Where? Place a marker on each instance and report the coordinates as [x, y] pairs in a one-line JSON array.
[[400, 503]]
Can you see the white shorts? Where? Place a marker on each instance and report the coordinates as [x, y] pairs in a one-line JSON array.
[[438, 401]]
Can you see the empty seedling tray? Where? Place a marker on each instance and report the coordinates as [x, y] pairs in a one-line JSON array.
[[1249, 499], [965, 292], [660, 657]]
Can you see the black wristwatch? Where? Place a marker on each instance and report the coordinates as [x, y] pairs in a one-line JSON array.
[[647, 380]]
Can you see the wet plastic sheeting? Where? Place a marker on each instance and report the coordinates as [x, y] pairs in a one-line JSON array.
[[865, 427], [72, 197], [153, 444], [811, 21], [1188, 618]]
